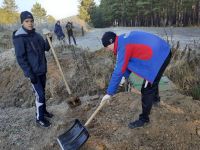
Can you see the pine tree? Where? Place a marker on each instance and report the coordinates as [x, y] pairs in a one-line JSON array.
[[85, 8], [9, 5], [50, 19], [39, 13], [8, 12], [149, 12]]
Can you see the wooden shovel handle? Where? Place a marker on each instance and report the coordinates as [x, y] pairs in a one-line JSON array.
[[58, 64], [96, 111], [102, 104]]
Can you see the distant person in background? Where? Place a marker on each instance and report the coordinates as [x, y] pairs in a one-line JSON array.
[[69, 27], [30, 50], [58, 31]]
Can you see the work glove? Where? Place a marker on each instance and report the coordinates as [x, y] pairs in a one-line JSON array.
[[105, 98], [123, 80], [33, 79]]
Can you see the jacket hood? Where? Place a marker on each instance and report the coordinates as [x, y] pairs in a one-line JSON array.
[[57, 25], [21, 32]]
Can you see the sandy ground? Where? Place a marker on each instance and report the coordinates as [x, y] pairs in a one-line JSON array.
[[175, 124]]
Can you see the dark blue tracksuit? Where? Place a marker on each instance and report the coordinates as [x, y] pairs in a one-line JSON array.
[[30, 50]]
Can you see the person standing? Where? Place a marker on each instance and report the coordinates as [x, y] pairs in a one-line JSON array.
[[30, 50], [70, 34], [58, 31], [144, 54]]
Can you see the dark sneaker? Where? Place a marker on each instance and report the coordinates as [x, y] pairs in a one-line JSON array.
[[48, 115], [137, 124], [43, 123]]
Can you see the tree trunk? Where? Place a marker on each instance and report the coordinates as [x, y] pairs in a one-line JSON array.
[[131, 23], [198, 10]]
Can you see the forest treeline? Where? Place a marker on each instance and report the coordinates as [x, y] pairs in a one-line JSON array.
[[141, 12], [119, 13]]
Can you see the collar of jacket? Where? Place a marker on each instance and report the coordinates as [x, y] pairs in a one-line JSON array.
[[29, 31], [21, 33], [115, 45]]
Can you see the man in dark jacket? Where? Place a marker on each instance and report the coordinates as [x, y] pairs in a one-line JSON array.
[[30, 50], [144, 54], [70, 34], [58, 31]]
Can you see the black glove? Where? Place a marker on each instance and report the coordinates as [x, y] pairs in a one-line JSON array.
[[33, 79]]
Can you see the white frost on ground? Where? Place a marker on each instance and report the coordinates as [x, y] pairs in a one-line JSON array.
[[187, 35], [7, 58]]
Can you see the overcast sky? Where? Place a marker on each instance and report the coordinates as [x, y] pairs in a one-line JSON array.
[[57, 8]]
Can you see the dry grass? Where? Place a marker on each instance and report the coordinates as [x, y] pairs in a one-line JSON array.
[[5, 39], [184, 70]]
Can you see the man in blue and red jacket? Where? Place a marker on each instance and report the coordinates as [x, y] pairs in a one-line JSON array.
[[144, 54]]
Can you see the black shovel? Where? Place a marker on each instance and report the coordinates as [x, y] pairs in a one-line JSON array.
[[77, 135]]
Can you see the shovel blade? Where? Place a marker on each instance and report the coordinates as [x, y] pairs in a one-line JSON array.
[[73, 138]]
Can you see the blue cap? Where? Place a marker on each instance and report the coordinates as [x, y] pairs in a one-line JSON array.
[[108, 38], [25, 15]]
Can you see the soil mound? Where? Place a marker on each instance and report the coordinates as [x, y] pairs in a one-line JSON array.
[[175, 124], [86, 73]]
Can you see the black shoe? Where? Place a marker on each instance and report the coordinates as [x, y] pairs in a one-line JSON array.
[[137, 124], [48, 115], [43, 123]]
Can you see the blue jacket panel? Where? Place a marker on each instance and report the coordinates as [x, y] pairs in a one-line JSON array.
[[30, 52], [58, 31], [140, 52]]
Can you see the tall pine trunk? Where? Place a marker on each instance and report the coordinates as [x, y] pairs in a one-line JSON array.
[[198, 10]]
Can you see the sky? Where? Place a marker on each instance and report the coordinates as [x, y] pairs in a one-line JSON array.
[[57, 8]]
